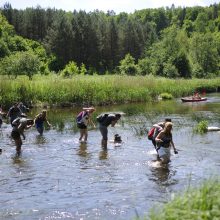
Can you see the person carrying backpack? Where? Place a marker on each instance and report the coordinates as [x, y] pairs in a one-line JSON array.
[[82, 121], [155, 130], [104, 121]]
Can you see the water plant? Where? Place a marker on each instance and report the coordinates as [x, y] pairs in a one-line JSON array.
[[201, 127], [166, 96], [197, 203]]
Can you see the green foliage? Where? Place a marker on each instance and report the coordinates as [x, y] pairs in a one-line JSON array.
[[166, 96], [97, 90], [70, 69], [202, 127], [82, 69], [172, 42], [170, 71], [195, 203], [204, 54], [144, 66], [128, 66], [20, 63]]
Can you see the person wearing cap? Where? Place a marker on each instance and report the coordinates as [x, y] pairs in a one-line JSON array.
[[83, 119], [14, 112], [39, 121], [18, 127], [104, 121], [164, 141]]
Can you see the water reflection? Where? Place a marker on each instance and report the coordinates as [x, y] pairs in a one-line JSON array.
[[103, 154], [56, 172], [82, 151], [40, 139]]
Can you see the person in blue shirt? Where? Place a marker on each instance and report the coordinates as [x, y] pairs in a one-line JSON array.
[[39, 121]]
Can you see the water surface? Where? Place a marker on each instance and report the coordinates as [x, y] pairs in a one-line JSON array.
[[59, 178]]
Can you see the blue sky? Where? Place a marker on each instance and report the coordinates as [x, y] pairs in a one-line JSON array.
[[105, 5]]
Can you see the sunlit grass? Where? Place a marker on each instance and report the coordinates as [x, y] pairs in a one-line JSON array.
[[97, 90], [199, 203]]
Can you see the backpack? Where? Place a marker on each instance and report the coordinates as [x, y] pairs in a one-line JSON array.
[[80, 117], [101, 118], [150, 133]]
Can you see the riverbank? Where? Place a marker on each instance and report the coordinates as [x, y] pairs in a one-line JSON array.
[[199, 203], [96, 90]]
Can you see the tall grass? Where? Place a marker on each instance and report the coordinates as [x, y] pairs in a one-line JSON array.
[[200, 203], [97, 90]]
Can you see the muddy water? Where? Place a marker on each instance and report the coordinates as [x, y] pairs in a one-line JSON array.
[[58, 178]]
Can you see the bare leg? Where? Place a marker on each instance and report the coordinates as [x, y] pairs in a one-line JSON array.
[[18, 143], [86, 134], [81, 134]]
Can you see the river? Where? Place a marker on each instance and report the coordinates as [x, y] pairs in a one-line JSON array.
[[59, 178]]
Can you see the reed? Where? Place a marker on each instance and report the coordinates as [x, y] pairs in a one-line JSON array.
[[201, 127], [96, 90], [197, 203]]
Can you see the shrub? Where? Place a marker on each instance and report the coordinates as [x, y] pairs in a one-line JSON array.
[[166, 96], [202, 127]]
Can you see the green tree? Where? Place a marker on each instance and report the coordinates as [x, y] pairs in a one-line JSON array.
[[20, 63], [127, 66], [204, 54]]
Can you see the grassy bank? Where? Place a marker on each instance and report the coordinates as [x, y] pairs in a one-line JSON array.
[[96, 90], [200, 203]]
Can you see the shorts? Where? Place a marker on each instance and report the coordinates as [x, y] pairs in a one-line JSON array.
[[40, 129], [164, 152], [104, 132], [15, 134], [81, 126]]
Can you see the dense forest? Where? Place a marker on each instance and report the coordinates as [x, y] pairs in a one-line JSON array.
[[171, 42]]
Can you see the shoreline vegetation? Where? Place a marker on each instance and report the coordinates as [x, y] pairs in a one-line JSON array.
[[56, 91], [196, 203]]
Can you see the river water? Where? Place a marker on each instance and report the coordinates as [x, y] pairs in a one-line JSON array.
[[58, 178]]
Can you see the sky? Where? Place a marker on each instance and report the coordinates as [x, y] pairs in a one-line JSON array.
[[117, 6]]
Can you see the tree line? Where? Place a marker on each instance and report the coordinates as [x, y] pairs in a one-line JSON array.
[[171, 42]]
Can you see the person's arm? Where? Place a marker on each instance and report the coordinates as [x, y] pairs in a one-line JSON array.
[[8, 113], [91, 122], [35, 120], [48, 123], [174, 148], [21, 130], [159, 136], [114, 121], [158, 126]]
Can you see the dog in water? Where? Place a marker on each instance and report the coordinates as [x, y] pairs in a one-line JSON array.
[[117, 139]]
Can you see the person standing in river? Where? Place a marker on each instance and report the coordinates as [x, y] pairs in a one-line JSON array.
[[14, 112], [164, 141], [39, 121], [83, 119], [104, 121], [18, 127], [158, 128]]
